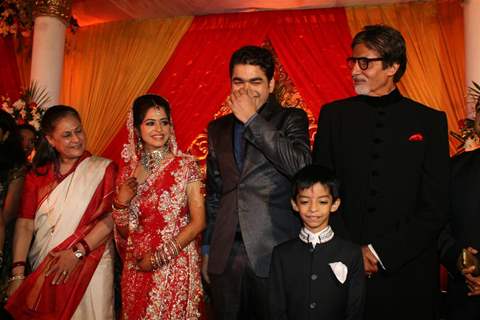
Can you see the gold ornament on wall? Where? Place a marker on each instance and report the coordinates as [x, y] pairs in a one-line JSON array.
[[61, 9]]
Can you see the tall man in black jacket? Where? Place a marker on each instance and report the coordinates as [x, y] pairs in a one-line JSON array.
[[252, 155], [391, 155]]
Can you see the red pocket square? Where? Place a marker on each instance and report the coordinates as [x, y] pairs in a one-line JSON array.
[[416, 137]]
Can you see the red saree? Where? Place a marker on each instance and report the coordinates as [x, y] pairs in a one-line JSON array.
[[37, 298], [160, 211]]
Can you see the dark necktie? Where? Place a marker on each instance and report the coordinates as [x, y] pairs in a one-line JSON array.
[[239, 144]]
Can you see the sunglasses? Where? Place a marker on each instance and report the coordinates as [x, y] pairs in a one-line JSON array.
[[362, 62]]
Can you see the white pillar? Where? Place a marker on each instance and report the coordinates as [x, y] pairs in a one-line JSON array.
[[48, 46], [472, 43]]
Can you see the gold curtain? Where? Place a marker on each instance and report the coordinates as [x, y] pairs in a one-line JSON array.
[[433, 32], [106, 66]]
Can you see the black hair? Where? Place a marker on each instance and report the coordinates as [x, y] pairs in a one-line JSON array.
[[29, 127], [45, 152], [11, 151], [311, 174], [388, 42], [142, 104], [256, 56]]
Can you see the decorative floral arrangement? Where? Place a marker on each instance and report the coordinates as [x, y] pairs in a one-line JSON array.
[[468, 136], [16, 18], [28, 108]]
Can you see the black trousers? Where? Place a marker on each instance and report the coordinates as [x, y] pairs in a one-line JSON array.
[[238, 293]]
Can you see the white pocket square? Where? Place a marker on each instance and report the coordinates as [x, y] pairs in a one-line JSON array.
[[339, 270]]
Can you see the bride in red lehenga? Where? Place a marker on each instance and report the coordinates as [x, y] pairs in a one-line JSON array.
[[159, 213]]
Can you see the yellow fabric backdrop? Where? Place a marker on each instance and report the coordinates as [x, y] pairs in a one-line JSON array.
[[107, 66], [433, 32]]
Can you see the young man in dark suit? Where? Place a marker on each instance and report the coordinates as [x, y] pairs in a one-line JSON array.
[[317, 275], [252, 155], [391, 154]]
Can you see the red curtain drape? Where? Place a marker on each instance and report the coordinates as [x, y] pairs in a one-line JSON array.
[[9, 75], [311, 44]]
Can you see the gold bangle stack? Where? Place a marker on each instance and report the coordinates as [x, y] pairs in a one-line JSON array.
[[165, 253], [120, 214]]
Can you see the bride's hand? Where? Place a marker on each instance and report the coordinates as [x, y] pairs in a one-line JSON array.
[[144, 263], [126, 191], [64, 263]]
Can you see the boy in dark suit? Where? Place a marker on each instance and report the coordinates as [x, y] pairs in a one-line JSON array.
[[317, 275]]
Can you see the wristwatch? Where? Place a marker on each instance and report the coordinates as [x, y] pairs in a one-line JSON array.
[[78, 253]]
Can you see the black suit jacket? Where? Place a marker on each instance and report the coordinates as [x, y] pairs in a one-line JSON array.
[[391, 156], [303, 286], [463, 230], [258, 198]]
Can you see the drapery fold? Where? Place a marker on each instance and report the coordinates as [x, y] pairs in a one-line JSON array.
[[313, 46], [107, 66], [9, 75], [433, 31]]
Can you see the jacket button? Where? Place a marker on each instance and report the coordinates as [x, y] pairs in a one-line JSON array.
[[313, 305], [314, 276]]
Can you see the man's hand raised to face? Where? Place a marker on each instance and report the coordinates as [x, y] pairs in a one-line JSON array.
[[244, 104]]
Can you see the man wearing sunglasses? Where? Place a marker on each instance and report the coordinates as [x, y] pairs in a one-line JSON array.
[[391, 155]]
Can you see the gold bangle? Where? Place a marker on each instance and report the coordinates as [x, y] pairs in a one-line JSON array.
[[16, 277]]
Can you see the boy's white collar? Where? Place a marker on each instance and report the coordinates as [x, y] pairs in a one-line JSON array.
[[323, 236]]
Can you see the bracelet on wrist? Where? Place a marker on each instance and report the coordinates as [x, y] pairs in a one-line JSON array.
[[18, 264], [85, 246], [118, 205], [16, 277]]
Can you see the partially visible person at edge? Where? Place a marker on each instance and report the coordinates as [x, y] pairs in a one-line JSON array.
[[253, 153], [28, 136], [462, 232], [392, 156], [159, 214], [12, 174], [66, 211]]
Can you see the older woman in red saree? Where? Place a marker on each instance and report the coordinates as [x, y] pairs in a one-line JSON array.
[[66, 210], [159, 213]]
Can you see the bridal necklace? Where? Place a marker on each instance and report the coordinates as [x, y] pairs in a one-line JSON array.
[[152, 160]]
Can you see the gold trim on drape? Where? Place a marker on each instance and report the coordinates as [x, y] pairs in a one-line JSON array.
[[107, 66], [433, 32]]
